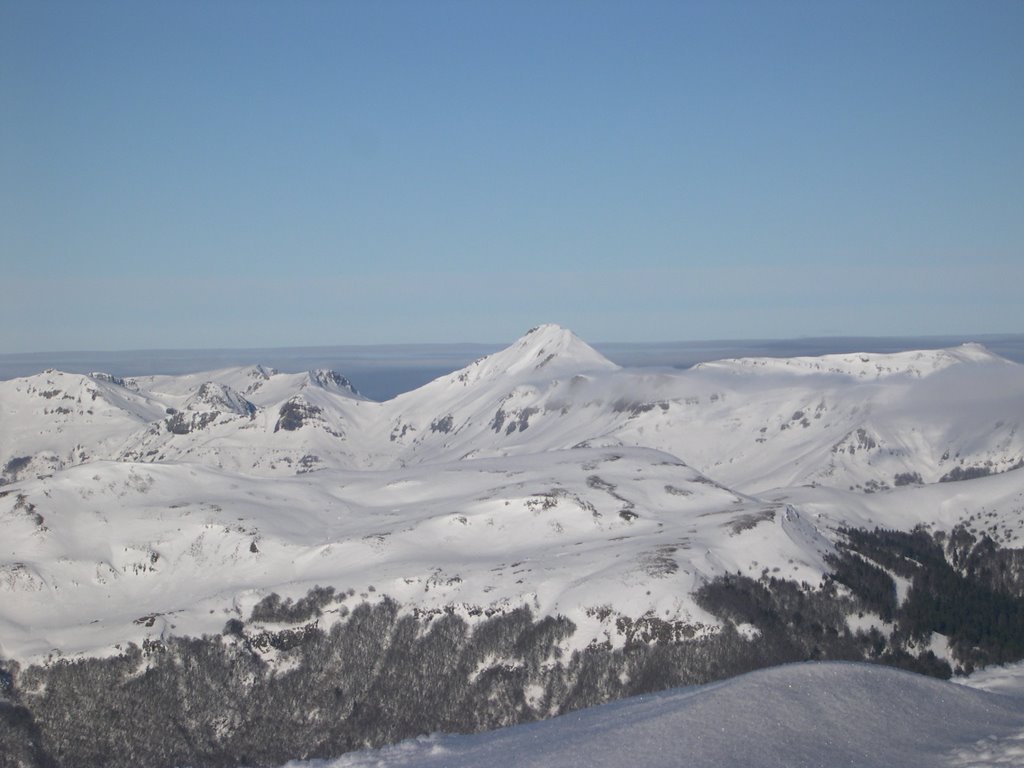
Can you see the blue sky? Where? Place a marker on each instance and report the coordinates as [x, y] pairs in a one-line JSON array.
[[253, 174]]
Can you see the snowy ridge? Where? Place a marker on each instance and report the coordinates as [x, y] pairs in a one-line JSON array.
[[865, 365], [53, 420]]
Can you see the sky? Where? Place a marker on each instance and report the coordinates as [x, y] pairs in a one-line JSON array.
[[258, 174]]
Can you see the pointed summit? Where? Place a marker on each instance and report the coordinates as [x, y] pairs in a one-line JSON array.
[[547, 351]]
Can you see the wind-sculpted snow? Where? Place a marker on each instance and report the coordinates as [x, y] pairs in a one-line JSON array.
[[797, 716]]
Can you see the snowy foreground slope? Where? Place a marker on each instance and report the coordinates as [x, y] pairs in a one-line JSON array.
[[823, 714]]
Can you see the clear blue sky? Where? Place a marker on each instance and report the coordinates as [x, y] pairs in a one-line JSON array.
[[240, 174]]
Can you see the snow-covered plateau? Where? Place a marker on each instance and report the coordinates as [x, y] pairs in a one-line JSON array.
[[670, 526]]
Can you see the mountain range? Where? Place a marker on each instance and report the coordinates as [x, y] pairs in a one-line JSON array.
[[609, 485], [543, 477]]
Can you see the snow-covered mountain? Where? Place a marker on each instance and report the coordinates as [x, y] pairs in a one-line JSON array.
[[541, 475], [659, 525], [867, 421], [54, 420]]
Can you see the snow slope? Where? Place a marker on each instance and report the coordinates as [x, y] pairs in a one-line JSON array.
[[541, 475], [791, 716], [92, 550], [54, 419]]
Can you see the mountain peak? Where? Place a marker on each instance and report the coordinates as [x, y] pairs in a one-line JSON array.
[[547, 350], [219, 397], [332, 381], [547, 330], [109, 378]]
